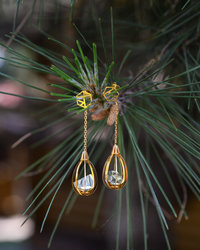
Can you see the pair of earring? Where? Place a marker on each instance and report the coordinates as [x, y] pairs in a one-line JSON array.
[[84, 178]]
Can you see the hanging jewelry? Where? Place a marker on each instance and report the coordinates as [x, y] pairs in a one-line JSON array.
[[84, 178], [115, 172]]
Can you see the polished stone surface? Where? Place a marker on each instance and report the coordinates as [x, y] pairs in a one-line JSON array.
[[85, 183], [114, 177]]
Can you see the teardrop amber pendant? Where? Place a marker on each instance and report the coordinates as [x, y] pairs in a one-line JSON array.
[[115, 175], [84, 178]]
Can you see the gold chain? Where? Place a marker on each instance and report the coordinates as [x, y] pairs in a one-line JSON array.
[[85, 130], [116, 116]]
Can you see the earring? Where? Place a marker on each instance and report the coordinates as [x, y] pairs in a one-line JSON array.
[[115, 172], [84, 178]]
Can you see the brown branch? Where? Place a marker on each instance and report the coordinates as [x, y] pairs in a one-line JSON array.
[[185, 198], [168, 215], [18, 29], [20, 140]]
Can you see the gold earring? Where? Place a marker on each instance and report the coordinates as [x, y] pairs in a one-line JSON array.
[[114, 175], [84, 178]]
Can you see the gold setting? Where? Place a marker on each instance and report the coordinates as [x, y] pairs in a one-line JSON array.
[[114, 178], [84, 163], [84, 99], [109, 93], [84, 177], [107, 168]]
